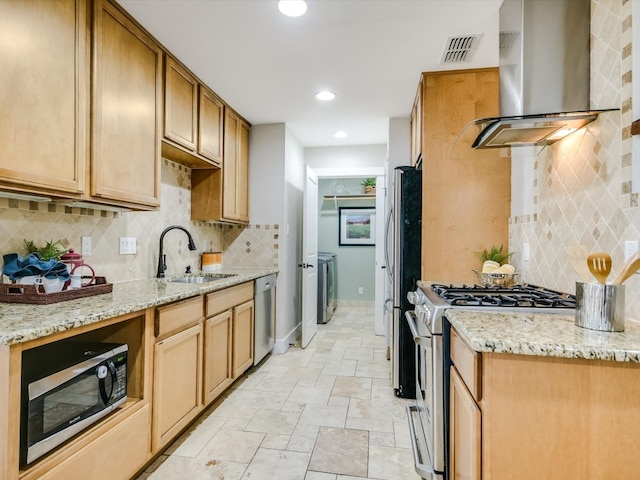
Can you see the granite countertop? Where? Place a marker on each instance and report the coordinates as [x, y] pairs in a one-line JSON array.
[[22, 322], [544, 335]]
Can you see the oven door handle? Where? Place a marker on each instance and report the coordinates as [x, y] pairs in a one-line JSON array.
[[422, 469], [422, 340]]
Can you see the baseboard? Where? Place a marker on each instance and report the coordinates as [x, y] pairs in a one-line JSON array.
[[281, 345], [356, 303]]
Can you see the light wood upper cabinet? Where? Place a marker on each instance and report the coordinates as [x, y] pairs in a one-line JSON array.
[[180, 105], [127, 101], [44, 92], [193, 119], [469, 192], [223, 194]]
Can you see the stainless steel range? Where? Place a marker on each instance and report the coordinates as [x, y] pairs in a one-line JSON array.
[[428, 417]]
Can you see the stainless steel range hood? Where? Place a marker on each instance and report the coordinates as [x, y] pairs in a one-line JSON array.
[[544, 74]]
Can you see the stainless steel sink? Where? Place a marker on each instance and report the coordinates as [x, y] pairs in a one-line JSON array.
[[202, 278]]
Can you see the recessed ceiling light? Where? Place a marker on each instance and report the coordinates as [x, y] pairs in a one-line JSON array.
[[325, 95], [340, 134], [292, 8]]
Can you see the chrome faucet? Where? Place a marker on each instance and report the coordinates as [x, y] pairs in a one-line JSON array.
[[162, 265]]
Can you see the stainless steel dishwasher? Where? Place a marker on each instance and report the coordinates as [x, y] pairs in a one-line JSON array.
[[265, 315]]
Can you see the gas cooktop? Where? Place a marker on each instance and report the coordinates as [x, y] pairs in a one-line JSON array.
[[517, 296], [431, 302]]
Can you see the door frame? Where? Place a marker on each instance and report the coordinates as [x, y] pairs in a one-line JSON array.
[[381, 199]]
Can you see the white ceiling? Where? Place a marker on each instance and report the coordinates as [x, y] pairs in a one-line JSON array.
[[268, 67]]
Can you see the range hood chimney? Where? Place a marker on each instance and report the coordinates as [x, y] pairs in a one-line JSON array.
[[544, 74]]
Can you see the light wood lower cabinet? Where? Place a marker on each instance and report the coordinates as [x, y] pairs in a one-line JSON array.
[[533, 417], [115, 455], [464, 432], [231, 312], [218, 374], [242, 338], [177, 380]]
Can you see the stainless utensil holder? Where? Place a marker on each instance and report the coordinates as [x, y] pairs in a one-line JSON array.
[[600, 306]]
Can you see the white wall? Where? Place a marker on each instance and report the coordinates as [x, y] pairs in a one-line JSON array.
[[348, 156], [276, 184]]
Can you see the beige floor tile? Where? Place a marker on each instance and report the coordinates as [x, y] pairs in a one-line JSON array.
[[193, 440], [309, 395], [382, 439], [232, 446], [346, 369], [341, 451], [369, 425], [320, 476], [198, 469], [270, 421], [268, 424], [391, 463], [277, 465], [324, 415], [303, 438], [275, 442], [352, 387]]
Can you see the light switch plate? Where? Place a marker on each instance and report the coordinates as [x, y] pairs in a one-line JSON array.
[[85, 248], [127, 245]]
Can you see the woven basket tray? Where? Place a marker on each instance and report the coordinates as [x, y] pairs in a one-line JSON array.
[[15, 293]]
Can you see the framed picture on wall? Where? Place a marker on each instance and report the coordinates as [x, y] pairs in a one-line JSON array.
[[357, 226]]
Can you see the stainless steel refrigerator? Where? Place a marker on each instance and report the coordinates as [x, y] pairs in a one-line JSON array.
[[407, 245]]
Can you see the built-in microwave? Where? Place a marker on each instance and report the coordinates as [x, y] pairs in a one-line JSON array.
[[66, 387]]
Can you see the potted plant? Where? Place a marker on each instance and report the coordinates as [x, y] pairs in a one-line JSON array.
[[495, 253], [369, 185], [51, 251]]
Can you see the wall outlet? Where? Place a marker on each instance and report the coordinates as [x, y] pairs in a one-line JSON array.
[[630, 248], [127, 245], [526, 252], [360, 290], [85, 248]]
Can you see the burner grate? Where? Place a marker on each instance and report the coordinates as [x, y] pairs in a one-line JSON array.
[[518, 296]]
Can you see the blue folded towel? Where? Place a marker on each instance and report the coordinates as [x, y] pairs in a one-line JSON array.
[[17, 267]]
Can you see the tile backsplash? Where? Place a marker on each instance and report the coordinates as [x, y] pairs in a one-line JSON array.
[[250, 246], [582, 185]]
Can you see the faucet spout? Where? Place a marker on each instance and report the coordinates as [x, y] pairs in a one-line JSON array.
[[162, 266]]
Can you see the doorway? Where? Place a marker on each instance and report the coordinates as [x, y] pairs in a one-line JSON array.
[[330, 203]]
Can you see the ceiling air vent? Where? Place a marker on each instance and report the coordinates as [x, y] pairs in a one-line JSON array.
[[459, 49]]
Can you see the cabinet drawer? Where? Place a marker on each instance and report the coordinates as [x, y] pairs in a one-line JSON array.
[[178, 315], [119, 453], [467, 362], [229, 297]]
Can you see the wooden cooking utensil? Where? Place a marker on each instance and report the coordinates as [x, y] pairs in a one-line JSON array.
[[578, 257], [631, 266], [599, 265]]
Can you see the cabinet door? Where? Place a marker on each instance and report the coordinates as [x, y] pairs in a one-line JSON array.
[[217, 355], [44, 92], [242, 173], [125, 139], [180, 105], [465, 432], [210, 123], [177, 384], [230, 166], [242, 338]]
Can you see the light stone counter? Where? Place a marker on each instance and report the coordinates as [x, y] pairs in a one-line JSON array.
[[543, 335], [23, 322]]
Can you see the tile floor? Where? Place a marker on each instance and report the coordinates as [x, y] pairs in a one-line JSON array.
[[326, 412]]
